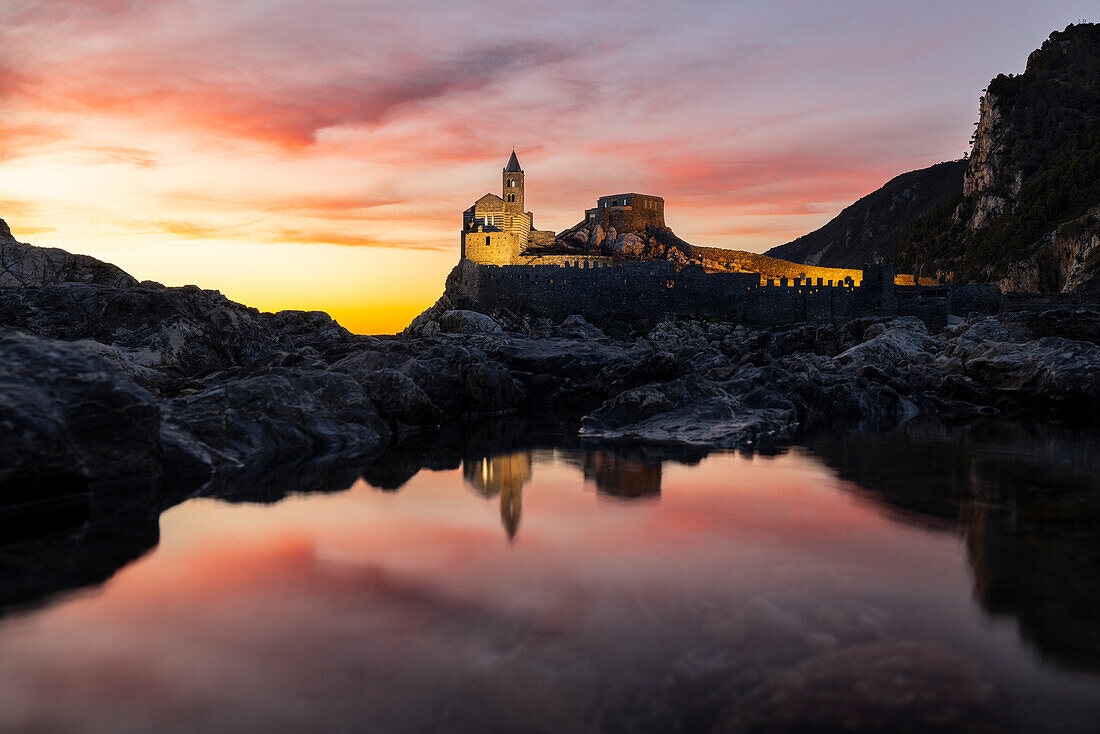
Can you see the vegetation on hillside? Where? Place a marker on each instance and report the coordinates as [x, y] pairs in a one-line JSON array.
[[1049, 146]]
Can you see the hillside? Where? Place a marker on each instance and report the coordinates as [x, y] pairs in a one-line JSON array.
[[661, 243], [1028, 216], [872, 227]]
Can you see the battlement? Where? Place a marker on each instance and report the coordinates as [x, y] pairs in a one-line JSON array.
[[605, 291]]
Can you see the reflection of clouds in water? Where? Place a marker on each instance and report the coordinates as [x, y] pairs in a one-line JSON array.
[[750, 580]]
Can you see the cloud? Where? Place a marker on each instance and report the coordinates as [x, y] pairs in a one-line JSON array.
[[255, 89], [323, 237], [116, 154]]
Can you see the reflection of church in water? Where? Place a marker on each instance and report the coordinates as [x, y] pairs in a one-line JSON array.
[[505, 475], [502, 475]]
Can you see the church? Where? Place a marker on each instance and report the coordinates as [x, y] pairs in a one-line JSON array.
[[496, 229]]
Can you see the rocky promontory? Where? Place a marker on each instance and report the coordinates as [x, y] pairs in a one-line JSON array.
[[104, 380]]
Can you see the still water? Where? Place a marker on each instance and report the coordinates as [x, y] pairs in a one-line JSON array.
[[926, 579]]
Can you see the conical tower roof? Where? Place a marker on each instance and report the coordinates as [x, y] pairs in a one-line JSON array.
[[513, 164]]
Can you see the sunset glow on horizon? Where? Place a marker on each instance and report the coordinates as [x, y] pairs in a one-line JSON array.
[[318, 155]]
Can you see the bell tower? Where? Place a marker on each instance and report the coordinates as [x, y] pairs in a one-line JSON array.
[[512, 179]]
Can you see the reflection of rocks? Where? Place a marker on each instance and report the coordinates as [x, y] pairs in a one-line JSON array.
[[82, 545], [1027, 499], [502, 475], [622, 477], [1035, 556]]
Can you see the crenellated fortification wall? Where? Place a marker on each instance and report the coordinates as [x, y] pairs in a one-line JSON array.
[[603, 292]]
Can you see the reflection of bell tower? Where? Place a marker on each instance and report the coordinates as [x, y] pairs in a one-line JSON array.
[[504, 475], [511, 507]]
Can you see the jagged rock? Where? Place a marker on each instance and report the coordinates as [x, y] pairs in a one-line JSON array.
[[1055, 371], [887, 348], [183, 331], [687, 410], [467, 322], [66, 412], [283, 412], [670, 334], [314, 329], [151, 381], [399, 398], [575, 327], [596, 236], [1081, 324], [650, 366], [490, 388], [27, 265], [579, 360], [628, 244], [873, 330]]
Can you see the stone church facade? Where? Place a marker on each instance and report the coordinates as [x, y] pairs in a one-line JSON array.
[[496, 229]]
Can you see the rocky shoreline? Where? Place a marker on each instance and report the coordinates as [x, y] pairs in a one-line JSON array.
[[105, 380]]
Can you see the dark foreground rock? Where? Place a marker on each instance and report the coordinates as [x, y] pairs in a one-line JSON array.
[[104, 379], [22, 264]]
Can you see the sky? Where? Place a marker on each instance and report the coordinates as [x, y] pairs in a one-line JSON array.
[[317, 154]]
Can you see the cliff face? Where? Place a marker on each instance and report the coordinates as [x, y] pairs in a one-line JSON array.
[[871, 228], [1028, 215]]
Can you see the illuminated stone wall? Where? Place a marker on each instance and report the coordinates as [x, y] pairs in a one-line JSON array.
[[489, 247], [634, 290], [773, 269]]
